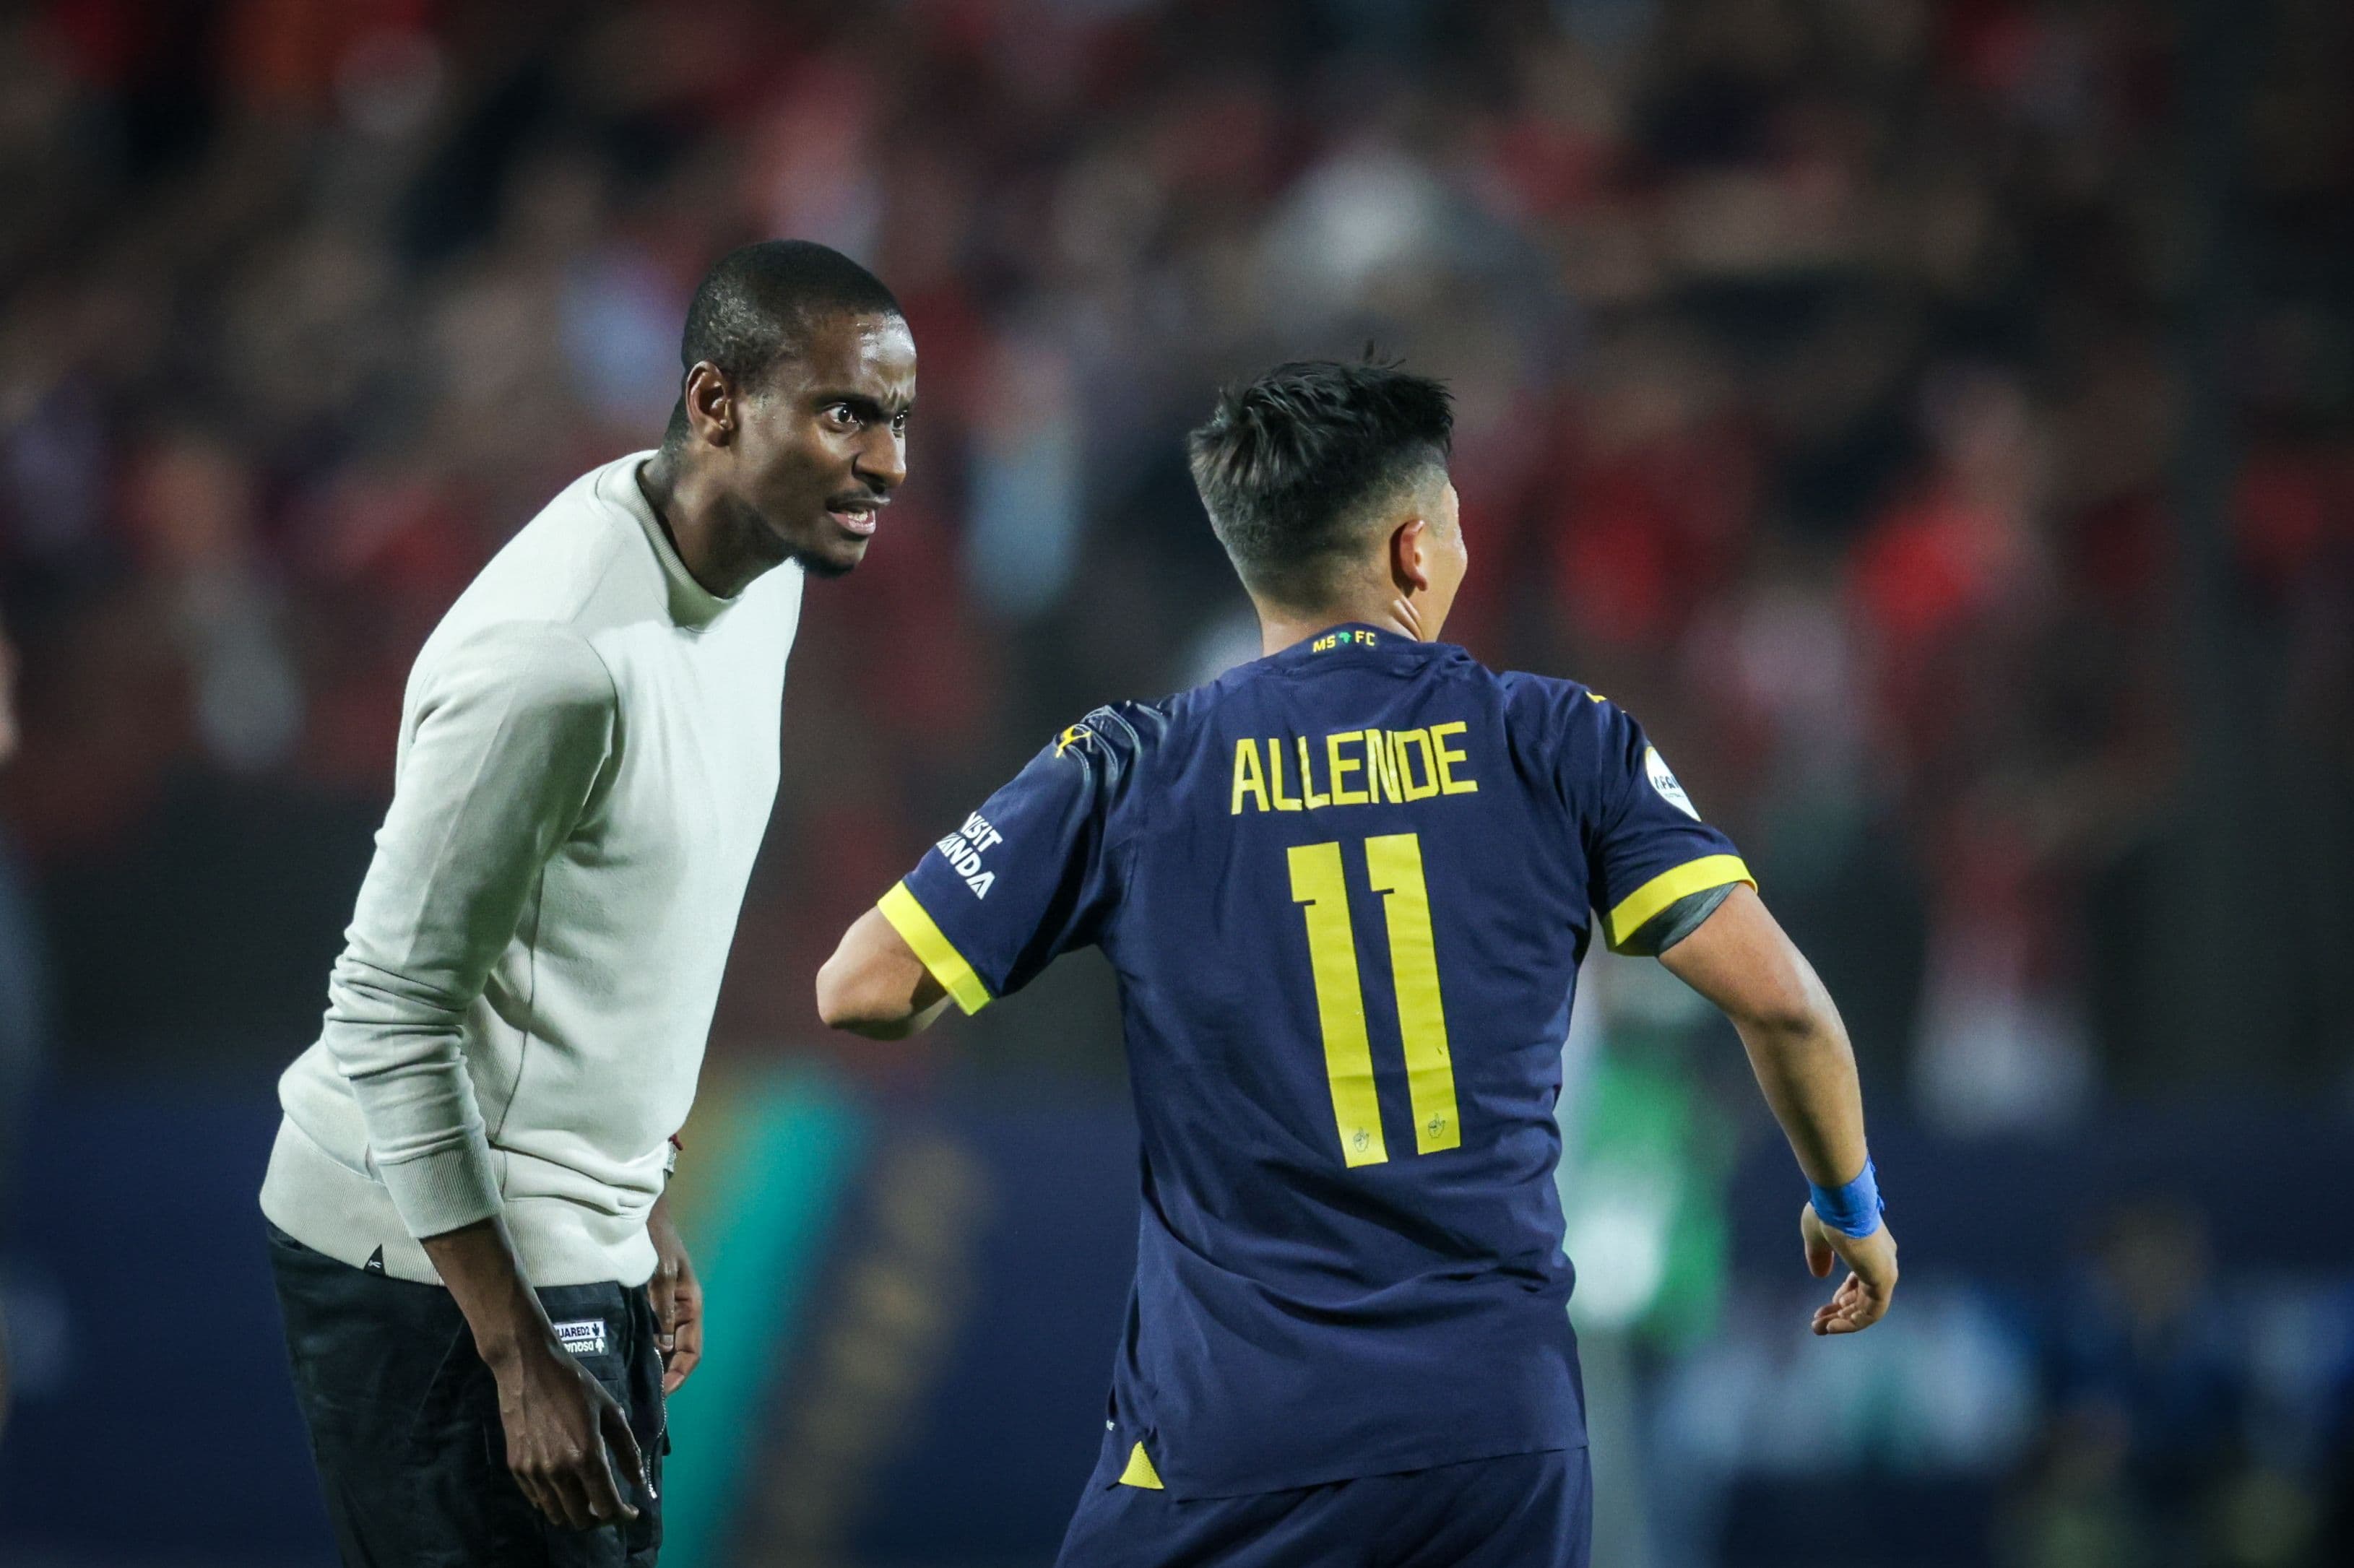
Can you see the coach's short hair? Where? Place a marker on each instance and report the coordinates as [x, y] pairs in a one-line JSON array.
[[754, 308], [1293, 467]]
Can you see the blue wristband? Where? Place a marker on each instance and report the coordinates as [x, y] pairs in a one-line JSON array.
[[1853, 1209]]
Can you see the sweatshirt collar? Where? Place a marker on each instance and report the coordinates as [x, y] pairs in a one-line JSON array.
[[691, 604]]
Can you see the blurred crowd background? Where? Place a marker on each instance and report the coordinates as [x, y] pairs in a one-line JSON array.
[[1935, 421]]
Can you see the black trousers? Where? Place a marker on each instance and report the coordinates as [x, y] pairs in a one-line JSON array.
[[404, 1418]]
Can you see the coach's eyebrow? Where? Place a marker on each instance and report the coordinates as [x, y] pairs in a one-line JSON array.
[[864, 405]]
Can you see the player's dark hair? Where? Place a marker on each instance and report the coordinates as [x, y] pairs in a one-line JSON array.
[[757, 303], [1291, 466]]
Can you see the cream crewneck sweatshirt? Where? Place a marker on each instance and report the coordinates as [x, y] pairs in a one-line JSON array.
[[588, 755]]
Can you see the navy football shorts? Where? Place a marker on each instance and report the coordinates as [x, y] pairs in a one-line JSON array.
[[1524, 1510]]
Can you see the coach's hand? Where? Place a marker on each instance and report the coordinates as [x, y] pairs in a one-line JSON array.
[[677, 1298], [1863, 1296], [559, 1421]]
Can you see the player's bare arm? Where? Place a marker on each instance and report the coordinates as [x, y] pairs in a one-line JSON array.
[[875, 985], [1741, 959]]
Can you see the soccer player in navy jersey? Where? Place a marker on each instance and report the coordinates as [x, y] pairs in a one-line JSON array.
[[1346, 889]]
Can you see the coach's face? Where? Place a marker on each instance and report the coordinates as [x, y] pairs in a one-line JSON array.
[[823, 441]]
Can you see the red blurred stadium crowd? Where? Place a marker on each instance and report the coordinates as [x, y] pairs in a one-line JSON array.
[[1816, 363]]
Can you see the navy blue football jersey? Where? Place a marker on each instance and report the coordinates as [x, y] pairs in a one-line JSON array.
[[1346, 889]]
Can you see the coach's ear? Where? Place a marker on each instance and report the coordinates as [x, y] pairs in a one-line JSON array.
[[710, 399], [875, 984]]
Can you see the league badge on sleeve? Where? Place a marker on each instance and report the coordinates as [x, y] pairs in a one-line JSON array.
[[1655, 767]]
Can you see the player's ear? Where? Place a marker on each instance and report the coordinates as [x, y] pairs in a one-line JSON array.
[[1410, 556], [710, 404]]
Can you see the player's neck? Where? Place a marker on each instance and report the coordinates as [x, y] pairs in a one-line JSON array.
[[1279, 626]]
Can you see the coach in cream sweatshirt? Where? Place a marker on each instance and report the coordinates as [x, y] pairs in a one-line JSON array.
[[588, 754]]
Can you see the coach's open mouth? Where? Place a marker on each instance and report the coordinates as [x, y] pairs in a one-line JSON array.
[[855, 516]]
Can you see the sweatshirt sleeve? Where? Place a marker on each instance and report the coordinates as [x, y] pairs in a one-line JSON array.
[[514, 730]]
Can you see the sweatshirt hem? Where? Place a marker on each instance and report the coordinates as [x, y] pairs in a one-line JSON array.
[[346, 1214]]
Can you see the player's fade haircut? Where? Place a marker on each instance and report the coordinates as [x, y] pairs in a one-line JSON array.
[[758, 301], [1293, 466]]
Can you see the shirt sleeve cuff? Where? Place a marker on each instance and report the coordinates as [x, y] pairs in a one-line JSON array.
[[1632, 913], [922, 934], [444, 1189]]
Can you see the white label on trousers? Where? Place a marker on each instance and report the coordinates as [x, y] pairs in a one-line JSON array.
[[586, 1337]]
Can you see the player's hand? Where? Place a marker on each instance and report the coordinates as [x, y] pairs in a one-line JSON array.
[[560, 1422], [677, 1298], [1863, 1296]]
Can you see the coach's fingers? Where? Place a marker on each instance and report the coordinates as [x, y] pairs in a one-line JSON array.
[[685, 1352], [661, 1293], [539, 1494], [574, 1489], [623, 1444], [592, 1497], [554, 1493], [538, 1474]]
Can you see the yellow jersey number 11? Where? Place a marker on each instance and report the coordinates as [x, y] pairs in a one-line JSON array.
[[1394, 862]]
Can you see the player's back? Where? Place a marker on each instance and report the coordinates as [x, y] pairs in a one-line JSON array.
[[1348, 949], [1346, 889]]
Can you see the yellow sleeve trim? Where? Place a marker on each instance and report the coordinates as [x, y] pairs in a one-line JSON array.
[[919, 931], [1693, 876], [1139, 1471]]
